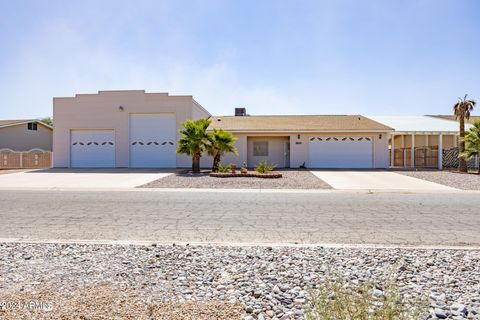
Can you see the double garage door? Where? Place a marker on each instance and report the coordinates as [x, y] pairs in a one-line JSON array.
[[340, 152], [151, 144]]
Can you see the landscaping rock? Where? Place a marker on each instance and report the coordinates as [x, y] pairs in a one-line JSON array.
[[265, 282]]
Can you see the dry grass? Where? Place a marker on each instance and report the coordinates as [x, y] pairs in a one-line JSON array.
[[102, 302], [336, 299]]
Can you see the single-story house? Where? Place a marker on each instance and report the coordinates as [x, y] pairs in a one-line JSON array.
[[313, 141], [121, 129], [420, 141], [25, 144], [138, 130], [25, 135]]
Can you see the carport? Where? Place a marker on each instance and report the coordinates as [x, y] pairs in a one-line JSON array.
[[420, 141]]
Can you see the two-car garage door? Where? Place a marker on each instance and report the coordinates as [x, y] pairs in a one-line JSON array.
[[340, 152], [151, 144]]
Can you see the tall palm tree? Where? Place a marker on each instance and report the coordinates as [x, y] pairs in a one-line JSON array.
[[194, 141], [220, 143], [472, 143], [462, 110]]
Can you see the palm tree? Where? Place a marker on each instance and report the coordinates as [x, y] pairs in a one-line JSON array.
[[220, 143], [462, 110], [194, 141], [472, 143]]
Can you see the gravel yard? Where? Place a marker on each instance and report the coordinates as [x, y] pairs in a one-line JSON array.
[[449, 178], [292, 179], [139, 282]]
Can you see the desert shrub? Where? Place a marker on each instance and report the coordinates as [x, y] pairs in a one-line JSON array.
[[264, 167], [223, 169], [336, 300]]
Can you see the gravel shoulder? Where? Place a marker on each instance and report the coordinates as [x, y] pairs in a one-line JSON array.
[[202, 282], [452, 179], [292, 179]]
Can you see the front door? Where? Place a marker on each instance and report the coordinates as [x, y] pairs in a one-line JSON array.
[[287, 153]]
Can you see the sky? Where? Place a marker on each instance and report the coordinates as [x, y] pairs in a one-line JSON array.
[[372, 57]]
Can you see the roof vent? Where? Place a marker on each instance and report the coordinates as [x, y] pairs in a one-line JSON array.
[[240, 112]]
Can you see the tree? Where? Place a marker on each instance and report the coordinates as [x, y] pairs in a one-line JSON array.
[[462, 110], [194, 141], [220, 142], [472, 143], [47, 120]]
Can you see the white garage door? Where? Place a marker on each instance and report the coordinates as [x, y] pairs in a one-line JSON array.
[[92, 148], [340, 152], [152, 140]]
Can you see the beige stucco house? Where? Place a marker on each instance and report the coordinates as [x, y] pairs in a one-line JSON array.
[[25, 135], [138, 130], [121, 129], [312, 141]]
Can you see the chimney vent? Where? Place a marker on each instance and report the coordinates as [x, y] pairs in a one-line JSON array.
[[240, 112]]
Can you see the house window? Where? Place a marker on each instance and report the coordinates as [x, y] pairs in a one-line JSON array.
[[260, 148], [32, 126]]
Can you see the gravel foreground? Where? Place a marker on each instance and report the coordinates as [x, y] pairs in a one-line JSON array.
[[291, 179], [452, 179], [76, 281]]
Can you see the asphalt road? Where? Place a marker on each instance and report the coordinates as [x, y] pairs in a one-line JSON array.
[[441, 219]]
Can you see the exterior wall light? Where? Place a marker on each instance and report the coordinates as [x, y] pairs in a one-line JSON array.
[[120, 108], [380, 136], [298, 136]]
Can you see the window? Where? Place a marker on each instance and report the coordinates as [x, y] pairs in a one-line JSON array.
[[32, 126], [260, 148]]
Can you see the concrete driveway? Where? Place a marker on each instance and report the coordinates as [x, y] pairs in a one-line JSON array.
[[376, 180], [79, 178]]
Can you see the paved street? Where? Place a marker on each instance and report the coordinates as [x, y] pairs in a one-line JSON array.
[[349, 218]]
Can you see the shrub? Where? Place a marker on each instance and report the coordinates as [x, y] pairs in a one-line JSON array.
[[223, 169], [264, 167], [337, 300]]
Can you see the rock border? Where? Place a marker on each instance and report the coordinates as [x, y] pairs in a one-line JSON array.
[[270, 175]]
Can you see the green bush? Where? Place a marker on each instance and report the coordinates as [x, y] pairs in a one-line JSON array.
[[334, 300], [264, 167], [223, 169]]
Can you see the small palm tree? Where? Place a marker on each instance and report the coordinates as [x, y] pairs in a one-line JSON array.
[[194, 141], [472, 143], [220, 143], [462, 110]]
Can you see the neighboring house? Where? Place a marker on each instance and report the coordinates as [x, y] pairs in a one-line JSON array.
[[25, 135], [316, 141], [419, 141], [471, 120], [121, 129]]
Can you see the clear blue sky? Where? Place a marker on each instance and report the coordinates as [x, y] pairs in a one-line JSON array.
[[285, 57]]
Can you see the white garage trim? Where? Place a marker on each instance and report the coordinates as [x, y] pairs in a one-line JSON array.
[[92, 148], [341, 152], [152, 140]]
